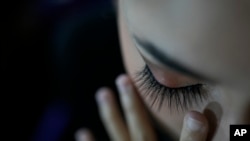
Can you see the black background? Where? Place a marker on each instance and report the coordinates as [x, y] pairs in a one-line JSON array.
[[56, 53]]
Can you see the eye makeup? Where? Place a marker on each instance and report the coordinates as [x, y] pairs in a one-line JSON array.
[[179, 98]]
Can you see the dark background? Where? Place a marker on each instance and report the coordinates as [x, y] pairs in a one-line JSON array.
[[54, 55]]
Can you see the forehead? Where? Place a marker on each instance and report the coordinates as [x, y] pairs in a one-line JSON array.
[[198, 23], [209, 36]]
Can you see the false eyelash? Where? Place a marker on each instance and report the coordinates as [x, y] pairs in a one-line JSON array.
[[181, 98]]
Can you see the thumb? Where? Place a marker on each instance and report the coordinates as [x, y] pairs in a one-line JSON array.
[[195, 127]]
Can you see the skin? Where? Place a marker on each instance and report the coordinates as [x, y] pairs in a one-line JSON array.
[[211, 38]]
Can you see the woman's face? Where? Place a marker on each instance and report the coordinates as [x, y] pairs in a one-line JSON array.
[[196, 53]]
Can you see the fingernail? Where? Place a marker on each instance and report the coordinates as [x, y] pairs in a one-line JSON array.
[[122, 80], [194, 124], [102, 95], [122, 83]]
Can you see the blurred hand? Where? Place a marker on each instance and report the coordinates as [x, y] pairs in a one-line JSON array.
[[139, 127]]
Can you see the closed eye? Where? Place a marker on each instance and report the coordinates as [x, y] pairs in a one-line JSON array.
[[179, 98]]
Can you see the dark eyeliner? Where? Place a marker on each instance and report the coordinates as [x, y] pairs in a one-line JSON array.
[[180, 98]]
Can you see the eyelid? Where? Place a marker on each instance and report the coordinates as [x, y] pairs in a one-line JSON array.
[[167, 61], [182, 97], [169, 77]]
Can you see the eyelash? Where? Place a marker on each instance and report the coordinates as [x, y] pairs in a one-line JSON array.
[[181, 98]]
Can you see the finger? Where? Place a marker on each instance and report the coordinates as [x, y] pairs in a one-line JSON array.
[[84, 135], [111, 116], [138, 121], [195, 127]]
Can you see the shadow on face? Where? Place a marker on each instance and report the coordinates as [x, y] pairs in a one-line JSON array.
[[213, 112]]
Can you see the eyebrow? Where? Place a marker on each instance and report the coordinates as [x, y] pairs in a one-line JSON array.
[[164, 59]]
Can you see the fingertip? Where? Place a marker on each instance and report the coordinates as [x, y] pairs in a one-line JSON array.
[[83, 135], [195, 127], [122, 80], [197, 116], [196, 121], [102, 94]]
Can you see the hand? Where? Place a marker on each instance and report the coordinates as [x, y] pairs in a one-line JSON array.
[[139, 127]]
